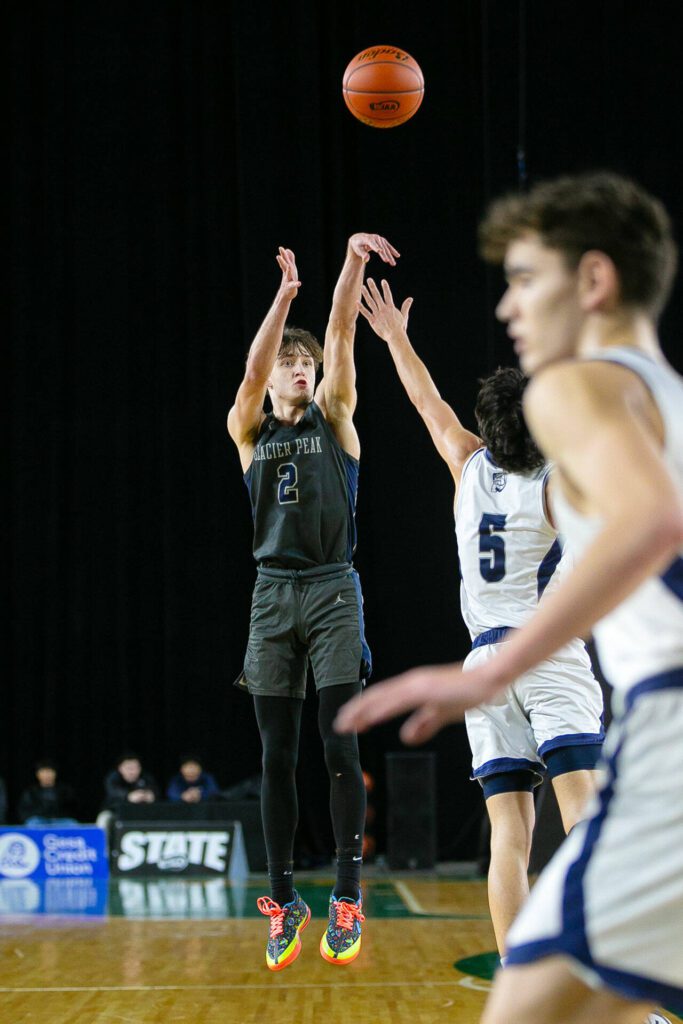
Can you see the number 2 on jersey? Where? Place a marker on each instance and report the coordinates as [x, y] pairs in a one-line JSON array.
[[287, 491], [491, 547]]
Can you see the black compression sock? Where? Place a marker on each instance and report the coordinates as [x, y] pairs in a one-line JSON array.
[[281, 882], [347, 885]]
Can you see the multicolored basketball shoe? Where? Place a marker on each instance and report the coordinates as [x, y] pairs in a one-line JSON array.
[[286, 923], [341, 942]]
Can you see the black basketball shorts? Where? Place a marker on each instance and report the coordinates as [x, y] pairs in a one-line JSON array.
[[306, 615]]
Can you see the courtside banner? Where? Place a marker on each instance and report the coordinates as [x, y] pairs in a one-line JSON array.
[[178, 848], [52, 853]]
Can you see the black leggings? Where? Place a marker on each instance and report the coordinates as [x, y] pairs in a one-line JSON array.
[[279, 721]]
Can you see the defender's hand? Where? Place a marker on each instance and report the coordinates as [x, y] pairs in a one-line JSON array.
[[381, 312]]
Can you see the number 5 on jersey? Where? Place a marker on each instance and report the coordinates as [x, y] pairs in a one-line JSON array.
[[287, 491], [491, 547]]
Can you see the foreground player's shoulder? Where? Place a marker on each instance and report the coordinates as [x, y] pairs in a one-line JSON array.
[[574, 392]]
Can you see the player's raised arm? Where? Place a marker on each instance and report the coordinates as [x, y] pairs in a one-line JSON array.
[[453, 441], [244, 419], [336, 393], [625, 481]]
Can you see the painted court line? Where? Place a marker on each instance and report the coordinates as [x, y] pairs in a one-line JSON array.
[[409, 898], [217, 988], [415, 907]]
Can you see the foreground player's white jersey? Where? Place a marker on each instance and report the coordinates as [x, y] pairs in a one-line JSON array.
[[507, 548], [643, 637]]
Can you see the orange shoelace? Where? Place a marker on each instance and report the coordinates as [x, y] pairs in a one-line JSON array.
[[275, 912], [346, 912]]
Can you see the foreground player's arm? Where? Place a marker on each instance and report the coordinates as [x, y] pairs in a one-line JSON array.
[[246, 415], [582, 417], [336, 393], [453, 442]]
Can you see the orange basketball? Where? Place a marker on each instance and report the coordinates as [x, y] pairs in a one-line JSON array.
[[383, 86]]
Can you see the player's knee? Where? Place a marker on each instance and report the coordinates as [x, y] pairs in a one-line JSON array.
[[279, 760], [511, 839], [341, 754]]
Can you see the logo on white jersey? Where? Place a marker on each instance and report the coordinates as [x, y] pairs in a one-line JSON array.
[[499, 482]]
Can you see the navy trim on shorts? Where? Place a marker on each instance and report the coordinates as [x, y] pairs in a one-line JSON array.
[[581, 757], [507, 764], [572, 940], [522, 781], [490, 636], [632, 986], [572, 739]]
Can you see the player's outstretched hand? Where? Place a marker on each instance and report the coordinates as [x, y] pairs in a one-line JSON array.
[[439, 693], [290, 283], [362, 245], [381, 312]]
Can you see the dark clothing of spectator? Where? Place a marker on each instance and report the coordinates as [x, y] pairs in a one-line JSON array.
[[205, 782], [47, 802], [117, 789]]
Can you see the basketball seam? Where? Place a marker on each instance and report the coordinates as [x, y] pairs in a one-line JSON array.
[[417, 75], [384, 92], [376, 63]]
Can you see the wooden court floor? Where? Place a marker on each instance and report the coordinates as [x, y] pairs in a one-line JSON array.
[[192, 952]]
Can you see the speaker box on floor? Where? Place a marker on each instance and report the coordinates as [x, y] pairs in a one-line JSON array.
[[411, 810]]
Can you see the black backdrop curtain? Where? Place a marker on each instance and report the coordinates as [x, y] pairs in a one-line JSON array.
[[160, 152]]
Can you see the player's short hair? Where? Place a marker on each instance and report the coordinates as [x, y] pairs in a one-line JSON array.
[[598, 210], [501, 422], [295, 340]]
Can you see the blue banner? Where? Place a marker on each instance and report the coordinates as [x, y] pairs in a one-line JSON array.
[[53, 853]]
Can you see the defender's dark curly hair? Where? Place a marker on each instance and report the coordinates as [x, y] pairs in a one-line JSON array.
[[501, 422]]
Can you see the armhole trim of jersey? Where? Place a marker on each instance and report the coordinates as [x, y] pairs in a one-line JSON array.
[[458, 488], [333, 436], [543, 491]]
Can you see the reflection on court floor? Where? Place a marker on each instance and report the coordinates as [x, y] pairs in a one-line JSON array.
[[177, 951]]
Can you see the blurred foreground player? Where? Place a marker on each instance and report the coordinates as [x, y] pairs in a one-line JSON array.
[[300, 464], [589, 263], [550, 720]]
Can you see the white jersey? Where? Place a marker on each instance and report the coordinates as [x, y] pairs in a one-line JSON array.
[[643, 636], [508, 553], [508, 549]]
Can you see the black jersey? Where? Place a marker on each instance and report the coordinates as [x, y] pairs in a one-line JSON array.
[[302, 486]]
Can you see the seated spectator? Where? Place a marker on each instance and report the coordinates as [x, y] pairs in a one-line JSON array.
[[3, 802], [48, 802], [129, 783], [192, 783]]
